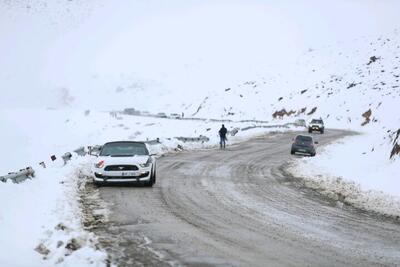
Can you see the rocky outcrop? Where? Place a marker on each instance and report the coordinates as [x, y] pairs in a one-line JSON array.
[[367, 114], [281, 113], [312, 111], [396, 146], [373, 59]]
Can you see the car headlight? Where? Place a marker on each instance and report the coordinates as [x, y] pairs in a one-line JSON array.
[[147, 164], [99, 165]]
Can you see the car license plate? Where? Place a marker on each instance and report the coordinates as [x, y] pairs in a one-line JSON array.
[[302, 150], [128, 174]]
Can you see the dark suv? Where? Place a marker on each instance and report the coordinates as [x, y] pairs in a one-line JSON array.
[[316, 125], [303, 144]]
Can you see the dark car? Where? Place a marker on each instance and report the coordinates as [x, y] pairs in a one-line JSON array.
[[316, 125], [303, 144]]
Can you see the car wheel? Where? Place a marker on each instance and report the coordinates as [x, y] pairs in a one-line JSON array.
[[152, 180], [292, 152], [309, 131], [154, 177], [312, 155], [322, 131]]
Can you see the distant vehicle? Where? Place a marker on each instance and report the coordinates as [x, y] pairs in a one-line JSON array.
[[161, 115], [303, 144], [300, 122], [131, 111], [175, 116], [125, 162], [316, 125]]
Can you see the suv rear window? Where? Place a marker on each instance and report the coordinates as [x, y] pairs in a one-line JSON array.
[[303, 138]]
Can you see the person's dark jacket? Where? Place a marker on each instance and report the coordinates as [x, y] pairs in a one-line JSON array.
[[222, 132]]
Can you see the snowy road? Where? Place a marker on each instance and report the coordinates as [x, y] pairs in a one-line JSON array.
[[238, 208]]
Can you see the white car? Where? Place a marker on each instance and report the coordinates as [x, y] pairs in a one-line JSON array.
[[125, 162], [316, 125], [175, 116]]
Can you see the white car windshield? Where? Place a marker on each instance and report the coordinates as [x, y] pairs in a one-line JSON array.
[[317, 121], [124, 149]]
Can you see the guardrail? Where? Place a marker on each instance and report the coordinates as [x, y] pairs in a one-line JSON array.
[[94, 150], [29, 172], [201, 138], [17, 177], [286, 125], [66, 157], [133, 112], [80, 151], [153, 142]]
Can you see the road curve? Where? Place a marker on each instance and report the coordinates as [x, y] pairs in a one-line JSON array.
[[237, 207]]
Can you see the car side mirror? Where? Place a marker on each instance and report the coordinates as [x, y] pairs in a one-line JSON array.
[[152, 155], [316, 142]]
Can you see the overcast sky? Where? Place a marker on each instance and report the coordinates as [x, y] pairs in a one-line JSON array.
[[50, 45]]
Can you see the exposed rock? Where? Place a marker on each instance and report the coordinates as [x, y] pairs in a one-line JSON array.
[[312, 111], [395, 150], [303, 91], [367, 114], [396, 146], [60, 244], [373, 59], [61, 227], [42, 249], [282, 113], [200, 106], [351, 85], [301, 111], [73, 245]]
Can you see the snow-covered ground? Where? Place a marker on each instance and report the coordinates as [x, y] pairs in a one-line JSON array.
[[66, 64], [41, 221]]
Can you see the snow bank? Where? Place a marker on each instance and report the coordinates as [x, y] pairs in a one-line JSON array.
[[351, 172], [40, 221]]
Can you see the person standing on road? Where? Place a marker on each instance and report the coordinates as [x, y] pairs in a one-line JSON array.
[[222, 134]]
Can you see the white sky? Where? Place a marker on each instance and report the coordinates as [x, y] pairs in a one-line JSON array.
[[66, 44]]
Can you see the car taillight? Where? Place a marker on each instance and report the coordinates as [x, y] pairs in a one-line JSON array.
[[100, 164]]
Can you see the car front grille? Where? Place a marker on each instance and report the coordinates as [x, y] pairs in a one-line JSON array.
[[142, 175], [119, 168]]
